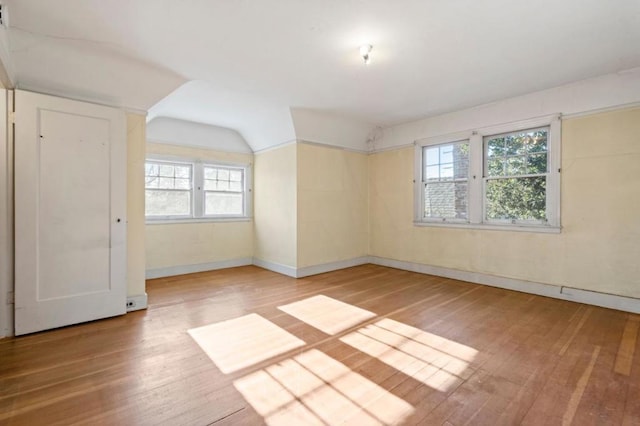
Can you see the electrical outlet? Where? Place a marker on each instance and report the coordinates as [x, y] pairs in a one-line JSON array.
[[131, 304]]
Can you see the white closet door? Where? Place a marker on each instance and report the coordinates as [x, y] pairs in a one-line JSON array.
[[70, 205]]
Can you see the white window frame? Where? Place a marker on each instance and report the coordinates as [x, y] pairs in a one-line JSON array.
[[476, 184], [197, 191]]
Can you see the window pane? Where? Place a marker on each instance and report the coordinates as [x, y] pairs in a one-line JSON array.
[[223, 204], [182, 183], [166, 183], [495, 147], [166, 170], [461, 169], [516, 198], [432, 156], [495, 167], [516, 166], [445, 200], [210, 173], [151, 182], [515, 144], [446, 162], [223, 179], [446, 154], [516, 154], [151, 169], [183, 171], [223, 174], [446, 171], [537, 163], [537, 141], [167, 203], [167, 176], [433, 172]]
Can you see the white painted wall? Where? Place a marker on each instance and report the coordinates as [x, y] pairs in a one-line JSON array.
[[612, 90], [275, 206], [136, 141], [330, 129], [332, 205], [180, 132]]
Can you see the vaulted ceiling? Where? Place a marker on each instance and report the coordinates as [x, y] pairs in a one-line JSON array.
[[244, 64]]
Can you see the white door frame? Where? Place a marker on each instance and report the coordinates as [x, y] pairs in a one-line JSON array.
[[6, 215]]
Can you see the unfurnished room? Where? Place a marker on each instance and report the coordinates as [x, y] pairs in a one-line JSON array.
[[295, 212]]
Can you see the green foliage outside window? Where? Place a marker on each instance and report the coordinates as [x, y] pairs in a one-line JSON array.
[[516, 166]]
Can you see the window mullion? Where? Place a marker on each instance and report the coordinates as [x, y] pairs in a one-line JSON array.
[[553, 175], [420, 162], [198, 193], [476, 165]]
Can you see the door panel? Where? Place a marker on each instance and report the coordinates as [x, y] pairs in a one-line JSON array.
[[70, 195]]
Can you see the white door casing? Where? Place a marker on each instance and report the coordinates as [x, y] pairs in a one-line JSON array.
[[70, 207]]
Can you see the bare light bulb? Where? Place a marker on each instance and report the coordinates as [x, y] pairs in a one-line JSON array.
[[365, 50]]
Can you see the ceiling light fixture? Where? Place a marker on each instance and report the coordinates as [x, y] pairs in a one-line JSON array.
[[365, 50]]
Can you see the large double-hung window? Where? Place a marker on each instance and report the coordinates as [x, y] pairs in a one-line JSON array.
[[497, 177], [192, 189]]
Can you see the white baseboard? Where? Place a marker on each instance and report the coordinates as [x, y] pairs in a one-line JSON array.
[[200, 267], [622, 303], [276, 267], [309, 270], [331, 266], [136, 303]]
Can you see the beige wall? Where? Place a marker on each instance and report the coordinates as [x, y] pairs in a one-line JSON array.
[[332, 205], [275, 205], [136, 139], [181, 244], [598, 247]]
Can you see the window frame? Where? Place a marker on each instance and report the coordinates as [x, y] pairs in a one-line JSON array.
[[198, 192], [423, 182], [174, 162], [476, 201], [203, 197]]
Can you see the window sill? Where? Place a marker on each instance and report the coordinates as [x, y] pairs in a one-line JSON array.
[[492, 227], [197, 220]]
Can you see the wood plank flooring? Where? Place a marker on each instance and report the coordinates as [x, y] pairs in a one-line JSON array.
[[434, 351]]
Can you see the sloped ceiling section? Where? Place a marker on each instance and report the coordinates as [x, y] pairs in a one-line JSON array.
[[88, 70], [181, 132], [243, 64], [261, 123]]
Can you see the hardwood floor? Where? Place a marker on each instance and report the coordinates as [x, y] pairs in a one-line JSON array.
[[419, 350]]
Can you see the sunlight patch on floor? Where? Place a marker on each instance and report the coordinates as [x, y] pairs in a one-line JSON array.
[[328, 315], [433, 360], [313, 388], [241, 342]]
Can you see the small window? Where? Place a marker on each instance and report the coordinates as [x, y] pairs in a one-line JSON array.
[[223, 191], [193, 190], [445, 178], [168, 189], [515, 176]]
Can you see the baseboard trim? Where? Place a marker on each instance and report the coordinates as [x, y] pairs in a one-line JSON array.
[[200, 267], [622, 303], [287, 270], [331, 266], [136, 303]]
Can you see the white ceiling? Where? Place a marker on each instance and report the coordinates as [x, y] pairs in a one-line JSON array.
[[242, 64]]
